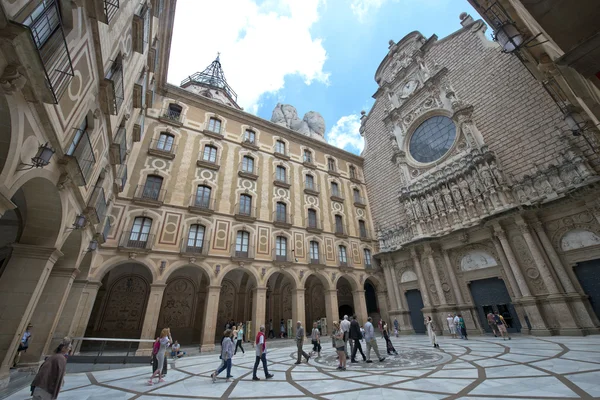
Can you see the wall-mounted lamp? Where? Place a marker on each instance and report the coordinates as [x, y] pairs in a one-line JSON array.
[[505, 29], [80, 222], [41, 159], [92, 246]]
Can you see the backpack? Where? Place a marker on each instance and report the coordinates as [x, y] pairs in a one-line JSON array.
[[497, 319], [155, 348]]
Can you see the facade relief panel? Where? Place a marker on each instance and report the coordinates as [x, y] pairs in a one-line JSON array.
[[329, 251], [264, 240], [221, 235], [170, 229], [299, 244]]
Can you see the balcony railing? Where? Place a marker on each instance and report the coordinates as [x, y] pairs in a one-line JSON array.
[[346, 263], [110, 9], [191, 247], [360, 201], [80, 163], [282, 219], [281, 180], [212, 132], [286, 257], [336, 195], [118, 148], [282, 153], [250, 143], [355, 177], [149, 195], [247, 172], [160, 148], [316, 260], [333, 171], [313, 225], [214, 165], [364, 233], [311, 188], [201, 205], [242, 253], [96, 208], [136, 240], [122, 177], [172, 116], [245, 213], [115, 89]]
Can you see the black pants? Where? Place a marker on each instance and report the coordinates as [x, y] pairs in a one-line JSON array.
[[316, 346], [262, 358], [238, 343], [358, 347], [271, 334], [155, 365]]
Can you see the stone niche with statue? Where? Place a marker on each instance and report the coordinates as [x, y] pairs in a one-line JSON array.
[[449, 178]]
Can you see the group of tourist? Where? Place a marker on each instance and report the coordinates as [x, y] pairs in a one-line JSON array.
[[349, 332], [456, 326]]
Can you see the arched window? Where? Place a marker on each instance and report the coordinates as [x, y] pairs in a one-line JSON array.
[[308, 156], [248, 164], [195, 238], [165, 142], [245, 204], [209, 154], [203, 196], [362, 227], [242, 242], [281, 248], [335, 189], [352, 171], [280, 174], [152, 187], [280, 147], [339, 224], [331, 164], [312, 218], [140, 232], [314, 252], [280, 213], [367, 253], [357, 198], [249, 136], [342, 255], [214, 125], [310, 182]]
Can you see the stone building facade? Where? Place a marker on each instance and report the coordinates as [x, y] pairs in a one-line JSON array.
[[483, 198]]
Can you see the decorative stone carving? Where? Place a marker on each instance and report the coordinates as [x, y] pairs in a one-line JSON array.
[[312, 124], [178, 304], [526, 260], [477, 259], [12, 79], [124, 310], [579, 238]]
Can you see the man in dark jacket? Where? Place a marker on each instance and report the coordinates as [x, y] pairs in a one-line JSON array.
[[356, 335]]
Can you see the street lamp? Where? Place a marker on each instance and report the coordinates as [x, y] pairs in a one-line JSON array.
[[509, 37], [41, 159], [80, 222]]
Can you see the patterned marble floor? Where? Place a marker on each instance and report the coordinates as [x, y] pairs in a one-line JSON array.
[[480, 368]]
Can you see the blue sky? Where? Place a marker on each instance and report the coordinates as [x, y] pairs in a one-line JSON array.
[[316, 55]]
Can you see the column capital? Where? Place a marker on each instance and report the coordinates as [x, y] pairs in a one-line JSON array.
[[259, 289], [299, 290], [523, 227], [38, 252], [158, 287], [93, 284], [212, 288], [500, 234], [414, 254]]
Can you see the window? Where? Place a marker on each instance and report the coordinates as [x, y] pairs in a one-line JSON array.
[[310, 182], [245, 204], [196, 237], [280, 213], [280, 174], [432, 139], [312, 218], [203, 196], [331, 164], [174, 112], [335, 189], [362, 227], [210, 154], [307, 156], [352, 172], [339, 224], [165, 142], [250, 136], [115, 76], [78, 134], [342, 254], [280, 147], [248, 164], [140, 231], [152, 187], [281, 248], [214, 125], [357, 198], [81, 149], [314, 252], [367, 257], [242, 242]]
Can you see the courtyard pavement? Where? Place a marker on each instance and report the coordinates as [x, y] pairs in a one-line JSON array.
[[480, 368]]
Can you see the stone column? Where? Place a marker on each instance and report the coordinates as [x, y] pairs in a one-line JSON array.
[[331, 309], [67, 316], [360, 305], [560, 270], [452, 276], [512, 262], [83, 312], [151, 318], [436, 276], [382, 300], [538, 258], [210, 318], [298, 308], [507, 269], [47, 313], [259, 303], [422, 285], [391, 288], [21, 286]]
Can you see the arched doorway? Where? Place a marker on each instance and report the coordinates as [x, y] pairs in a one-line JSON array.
[[415, 305], [345, 298], [371, 300], [279, 307], [183, 305], [315, 306], [236, 301]]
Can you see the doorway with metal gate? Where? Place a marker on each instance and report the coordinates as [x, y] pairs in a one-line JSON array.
[[588, 274], [490, 295], [415, 305]]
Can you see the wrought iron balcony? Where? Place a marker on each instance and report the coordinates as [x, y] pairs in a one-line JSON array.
[[171, 116], [121, 178], [105, 231], [96, 207], [136, 241], [114, 89], [281, 180], [311, 188], [333, 171], [364, 234], [48, 39], [149, 195], [214, 132], [140, 29], [201, 205], [110, 9], [341, 231], [192, 247], [207, 163], [313, 225], [360, 201], [118, 147], [243, 213], [345, 262], [241, 253], [336, 195], [282, 257], [284, 154], [250, 143], [161, 148], [80, 161], [283, 220], [316, 260], [248, 173]]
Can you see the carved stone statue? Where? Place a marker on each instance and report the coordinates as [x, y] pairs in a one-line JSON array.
[[464, 188], [312, 124]]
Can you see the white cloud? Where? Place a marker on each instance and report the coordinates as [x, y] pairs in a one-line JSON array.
[[361, 8], [260, 44], [346, 133]]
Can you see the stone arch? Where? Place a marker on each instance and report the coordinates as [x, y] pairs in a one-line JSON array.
[[7, 140], [245, 127], [345, 295], [321, 276], [315, 301], [372, 302], [354, 284], [202, 267], [251, 271], [145, 173], [286, 272], [200, 220], [408, 275], [99, 272]]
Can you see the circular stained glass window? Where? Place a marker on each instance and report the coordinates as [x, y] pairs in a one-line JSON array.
[[432, 139]]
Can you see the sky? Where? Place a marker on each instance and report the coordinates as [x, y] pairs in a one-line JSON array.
[[317, 55]]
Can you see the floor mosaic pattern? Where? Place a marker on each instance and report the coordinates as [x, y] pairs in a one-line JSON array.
[[480, 368]]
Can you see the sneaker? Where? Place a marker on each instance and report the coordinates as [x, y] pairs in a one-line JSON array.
[[369, 361], [255, 378], [339, 367], [297, 363], [382, 359], [343, 369], [353, 361], [269, 376]]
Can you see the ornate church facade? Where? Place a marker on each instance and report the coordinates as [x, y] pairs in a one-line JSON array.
[[483, 198]]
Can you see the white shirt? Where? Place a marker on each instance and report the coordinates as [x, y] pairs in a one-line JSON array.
[[450, 321], [369, 332], [456, 320], [261, 341], [345, 325]]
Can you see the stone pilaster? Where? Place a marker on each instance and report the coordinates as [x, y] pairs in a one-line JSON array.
[[151, 318], [436, 276], [382, 301], [331, 308], [83, 312], [452, 276], [259, 303], [360, 306], [298, 311], [507, 269], [210, 319], [391, 287], [422, 285], [538, 258]]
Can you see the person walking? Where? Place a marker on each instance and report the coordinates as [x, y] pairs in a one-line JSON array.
[[271, 331], [463, 327], [457, 324], [339, 344], [380, 326], [396, 327], [315, 337], [282, 329], [345, 327], [388, 343], [226, 355], [164, 341], [261, 354], [371, 341], [431, 332], [238, 339], [492, 324], [501, 324], [300, 342], [355, 336], [50, 377], [23, 344], [451, 326]]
